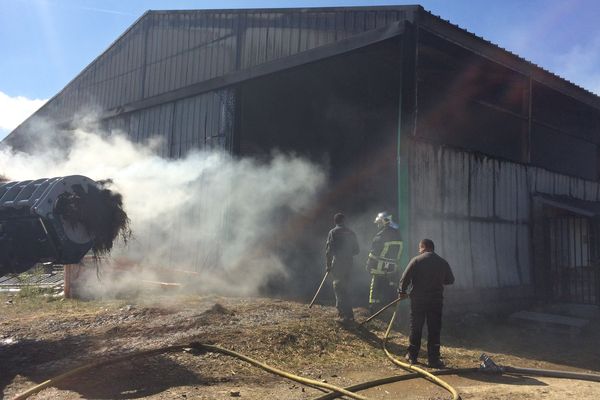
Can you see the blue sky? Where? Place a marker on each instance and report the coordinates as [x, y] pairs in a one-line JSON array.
[[46, 43]]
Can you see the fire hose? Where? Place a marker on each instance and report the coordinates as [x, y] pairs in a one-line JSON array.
[[487, 366], [198, 347], [412, 368], [319, 289], [409, 367], [549, 373]]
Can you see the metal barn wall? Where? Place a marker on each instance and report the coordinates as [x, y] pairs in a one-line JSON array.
[[203, 122], [477, 210], [167, 50]]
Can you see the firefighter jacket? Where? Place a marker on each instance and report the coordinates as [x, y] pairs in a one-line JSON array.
[[386, 248]]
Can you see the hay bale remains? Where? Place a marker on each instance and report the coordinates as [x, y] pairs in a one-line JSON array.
[[100, 211]]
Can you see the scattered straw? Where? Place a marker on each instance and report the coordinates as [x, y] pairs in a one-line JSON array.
[[100, 211]]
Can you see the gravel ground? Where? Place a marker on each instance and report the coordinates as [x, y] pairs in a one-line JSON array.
[[43, 337]]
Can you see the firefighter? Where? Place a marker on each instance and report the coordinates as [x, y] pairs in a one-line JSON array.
[[383, 262], [427, 274], [340, 249]]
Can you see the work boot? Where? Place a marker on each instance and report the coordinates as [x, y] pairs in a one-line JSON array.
[[345, 320], [436, 363], [410, 358], [373, 309]]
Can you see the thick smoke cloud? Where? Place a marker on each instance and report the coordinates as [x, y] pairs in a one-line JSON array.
[[207, 213]]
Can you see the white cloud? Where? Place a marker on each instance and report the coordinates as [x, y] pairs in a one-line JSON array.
[[14, 110], [581, 65]]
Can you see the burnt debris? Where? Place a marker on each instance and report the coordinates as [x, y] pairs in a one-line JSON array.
[[100, 211]]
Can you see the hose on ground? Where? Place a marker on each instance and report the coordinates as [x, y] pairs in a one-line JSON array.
[[395, 378], [551, 373], [412, 368], [196, 346], [548, 373], [299, 379], [97, 364]]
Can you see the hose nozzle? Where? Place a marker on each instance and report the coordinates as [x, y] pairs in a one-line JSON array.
[[488, 365]]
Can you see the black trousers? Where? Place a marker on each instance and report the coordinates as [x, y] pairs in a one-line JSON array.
[[421, 311]]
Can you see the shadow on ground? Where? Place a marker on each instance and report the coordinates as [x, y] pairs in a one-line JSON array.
[[134, 378]]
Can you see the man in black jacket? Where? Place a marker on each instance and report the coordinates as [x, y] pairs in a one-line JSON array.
[[340, 249], [427, 273]]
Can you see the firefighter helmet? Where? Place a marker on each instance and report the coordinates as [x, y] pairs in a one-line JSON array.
[[383, 218]]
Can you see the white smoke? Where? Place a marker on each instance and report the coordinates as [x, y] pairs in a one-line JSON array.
[[208, 214]]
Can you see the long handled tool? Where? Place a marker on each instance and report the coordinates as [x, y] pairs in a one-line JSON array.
[[319, 289], [382, 310]]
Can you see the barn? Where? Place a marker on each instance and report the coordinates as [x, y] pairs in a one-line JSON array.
[[492, 157]]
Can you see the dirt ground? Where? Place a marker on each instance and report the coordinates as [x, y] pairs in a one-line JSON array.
[[41, 338]]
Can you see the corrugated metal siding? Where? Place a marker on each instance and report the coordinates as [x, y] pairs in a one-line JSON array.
[[168, 50], [203, 122], [113, 79], [199, 122], [484, 230], [153, 126]]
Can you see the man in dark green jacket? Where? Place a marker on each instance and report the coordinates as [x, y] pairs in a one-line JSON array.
[[340, 249], [427, 274]]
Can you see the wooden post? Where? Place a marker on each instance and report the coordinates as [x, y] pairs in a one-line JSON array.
[[68, 272]]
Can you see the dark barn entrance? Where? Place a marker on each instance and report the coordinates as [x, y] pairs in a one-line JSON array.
[[341, 113], [574, 260], [571, 252]]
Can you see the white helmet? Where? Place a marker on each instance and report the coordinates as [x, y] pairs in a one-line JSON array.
[[383, 218]]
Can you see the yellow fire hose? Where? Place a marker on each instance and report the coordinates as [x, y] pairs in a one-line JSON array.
[[513, 371], [194, 346], [418, 372], [412, 368], [299, 379], [97, 364]]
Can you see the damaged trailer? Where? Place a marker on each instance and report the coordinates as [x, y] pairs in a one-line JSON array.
[[459, 138]]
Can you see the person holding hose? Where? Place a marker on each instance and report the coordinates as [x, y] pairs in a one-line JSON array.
[[383, 262], [340, 249], [427, 274]]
